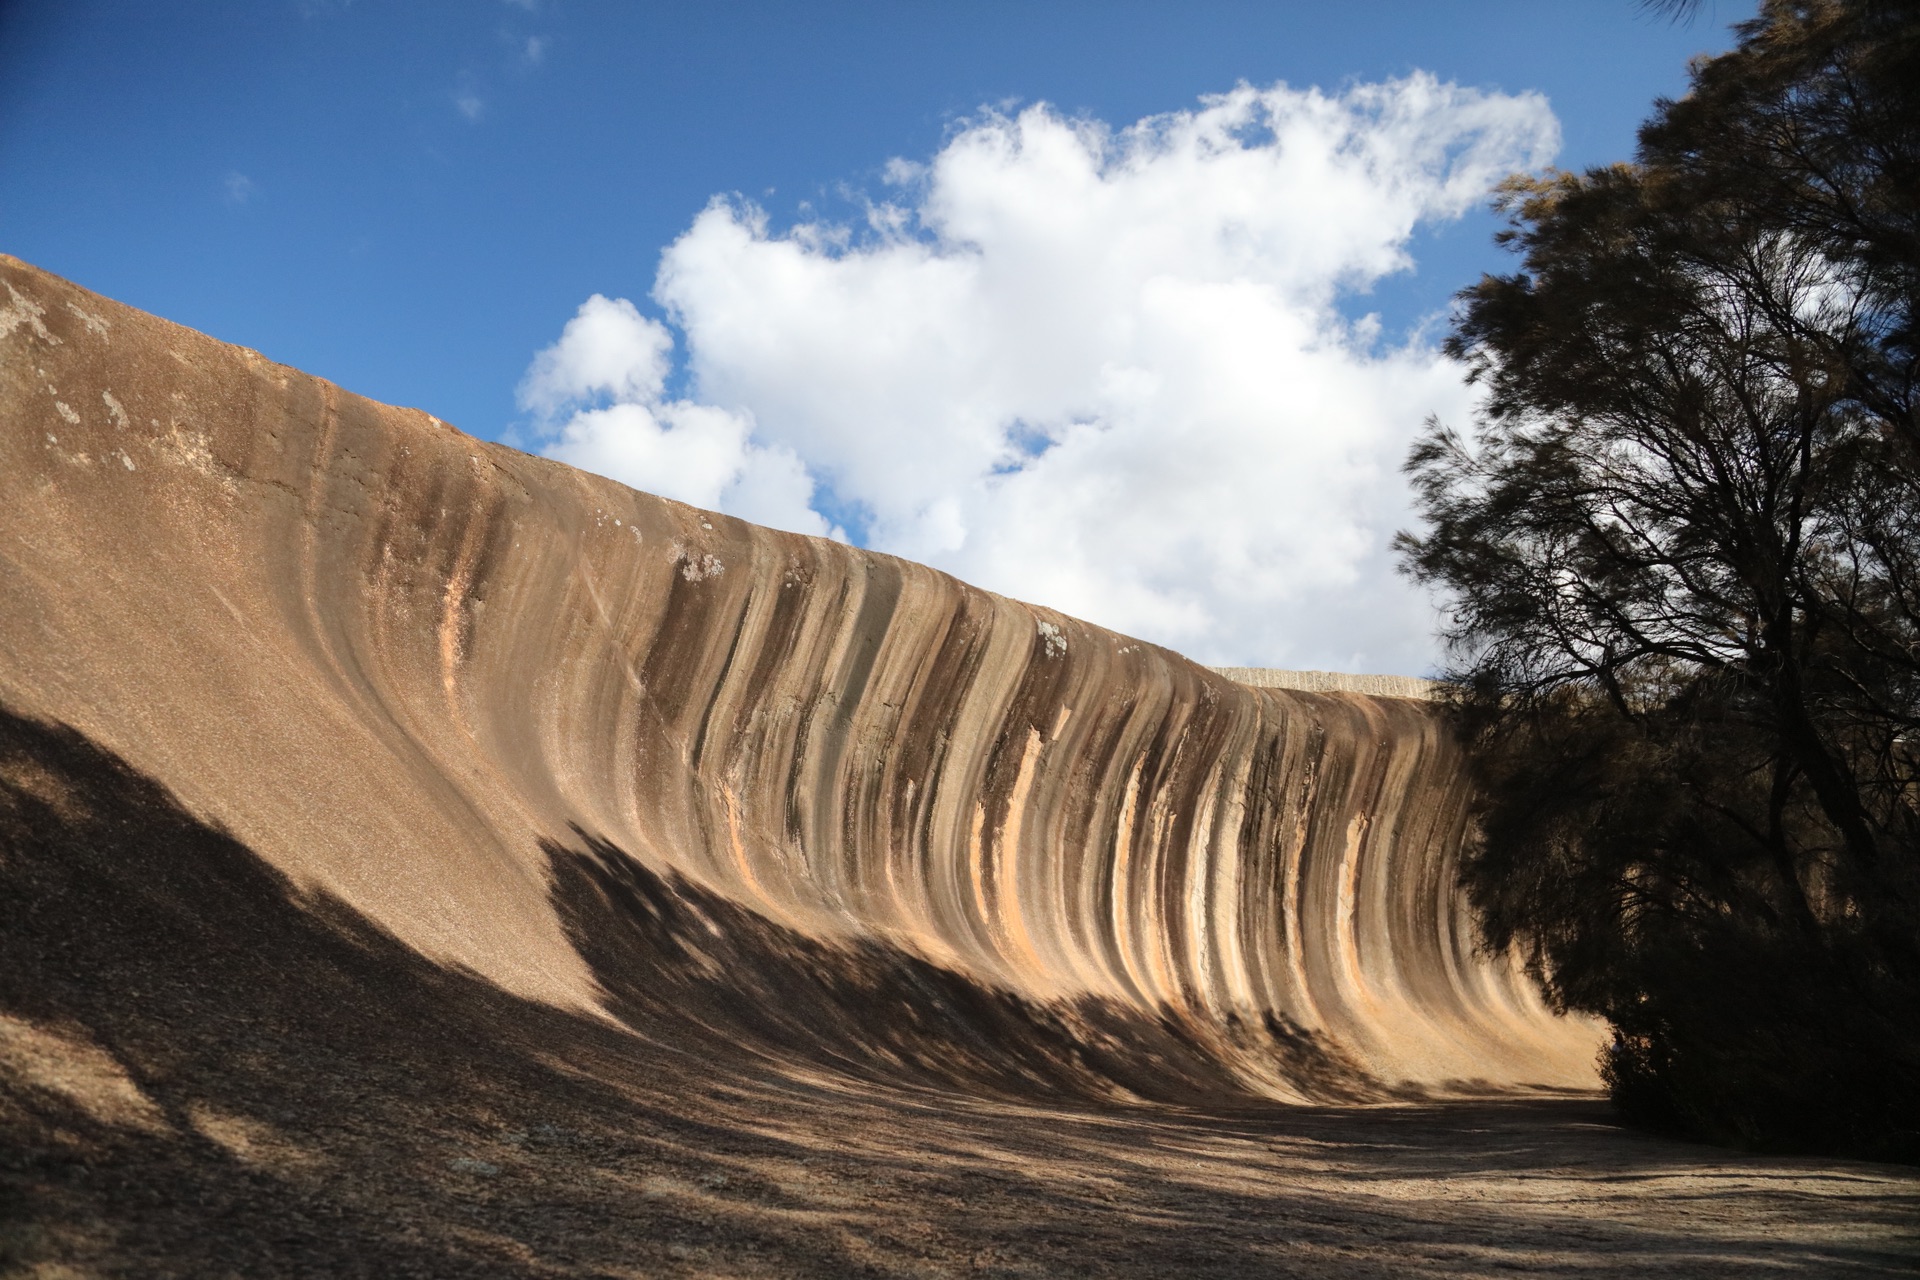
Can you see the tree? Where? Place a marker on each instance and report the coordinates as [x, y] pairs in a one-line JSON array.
[[1682, 558]]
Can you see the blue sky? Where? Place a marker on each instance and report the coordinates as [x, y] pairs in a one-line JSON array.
[[413, 199]]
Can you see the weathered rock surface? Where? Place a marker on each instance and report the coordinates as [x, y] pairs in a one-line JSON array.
[[402, 664]]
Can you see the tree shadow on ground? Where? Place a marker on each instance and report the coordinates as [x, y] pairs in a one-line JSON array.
[[204, 1071]]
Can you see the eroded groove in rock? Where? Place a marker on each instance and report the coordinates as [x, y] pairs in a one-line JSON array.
[[467, 691]]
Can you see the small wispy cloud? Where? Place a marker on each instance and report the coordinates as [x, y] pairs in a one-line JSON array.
[[536, 51], [469, 104], [238, 187], [531, 6]]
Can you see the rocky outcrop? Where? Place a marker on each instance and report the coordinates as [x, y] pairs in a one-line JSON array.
[[1333, 682], [563, 735]]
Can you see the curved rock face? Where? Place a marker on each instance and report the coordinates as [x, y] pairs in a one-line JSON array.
[[615, 753]]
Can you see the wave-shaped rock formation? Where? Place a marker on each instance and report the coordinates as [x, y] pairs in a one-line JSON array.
[[617, 755]]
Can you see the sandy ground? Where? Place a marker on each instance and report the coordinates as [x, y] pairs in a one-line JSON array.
[[206, 1073]]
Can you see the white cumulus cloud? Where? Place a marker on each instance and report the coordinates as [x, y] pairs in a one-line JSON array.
[[606, 377], [1104, 370]]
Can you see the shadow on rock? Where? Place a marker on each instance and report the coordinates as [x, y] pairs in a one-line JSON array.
[[665, 950]]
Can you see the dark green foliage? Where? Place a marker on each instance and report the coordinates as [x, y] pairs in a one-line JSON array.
[[1682, 555]]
